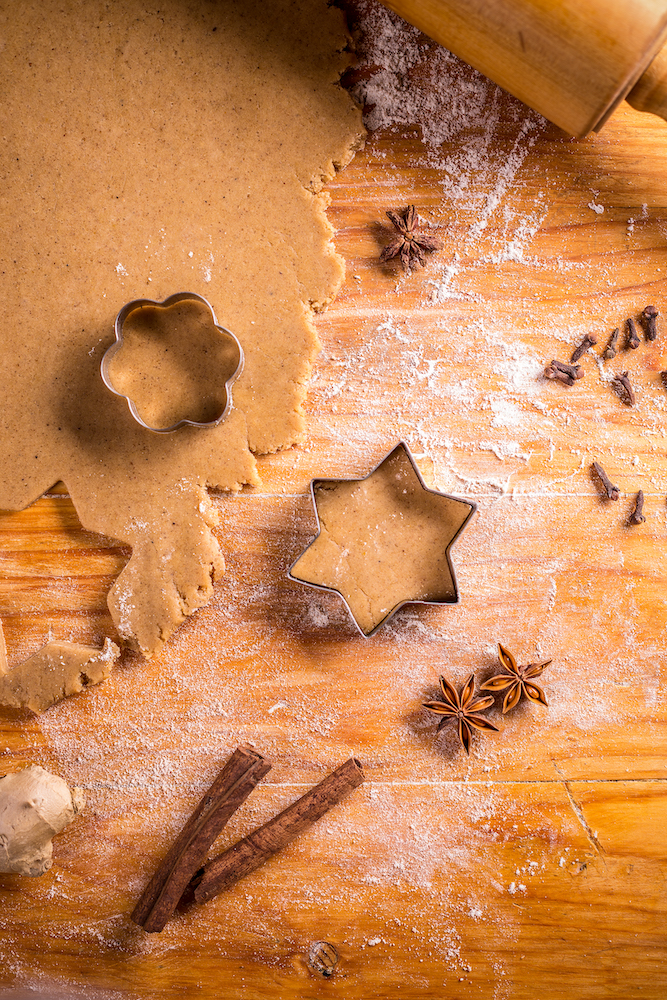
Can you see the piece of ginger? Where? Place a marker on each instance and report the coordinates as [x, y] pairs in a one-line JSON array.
[[35, 805]]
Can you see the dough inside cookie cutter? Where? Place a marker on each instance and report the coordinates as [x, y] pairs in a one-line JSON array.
[[383, 541], [172, 362]]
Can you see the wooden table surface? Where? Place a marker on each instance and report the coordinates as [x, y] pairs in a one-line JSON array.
[[535, 867]]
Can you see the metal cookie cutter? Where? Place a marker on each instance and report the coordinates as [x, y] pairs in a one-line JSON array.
[[224, 388], [371, 546]]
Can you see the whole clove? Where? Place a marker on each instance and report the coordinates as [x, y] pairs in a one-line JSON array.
[[633, 340], [612, 491], [589, 341], [649, 317], [610, 351], [562, 372], [623, 387], [663, 379], [637, 515]]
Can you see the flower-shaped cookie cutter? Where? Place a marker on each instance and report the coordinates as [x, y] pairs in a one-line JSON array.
[[225, 387]]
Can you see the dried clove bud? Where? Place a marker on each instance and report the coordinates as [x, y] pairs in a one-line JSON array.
[[612, 491], [633, 337], [589, 340], [610, 352], [637, 516], [649, 316], [623, 387], [568, 374]]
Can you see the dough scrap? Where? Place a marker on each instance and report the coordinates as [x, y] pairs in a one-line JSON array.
[[149, 151], [384, 541], [54, 672]]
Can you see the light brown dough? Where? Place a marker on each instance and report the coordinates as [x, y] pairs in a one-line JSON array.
[[172, 363], [149, 151], [383, 541], [54, 672]]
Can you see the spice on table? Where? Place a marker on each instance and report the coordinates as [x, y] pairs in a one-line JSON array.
[[462, 707], [517, 680], [633, 340], [562, 372], [610, 351], [623, 387], [589, 341], [637, 515], [409, 245], [649, 317], [229, 790], [260, 845], [612, 491]]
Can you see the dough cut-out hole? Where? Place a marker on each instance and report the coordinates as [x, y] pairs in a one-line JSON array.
[[57, 575], [53, 604], [172, 362], [54, 566]]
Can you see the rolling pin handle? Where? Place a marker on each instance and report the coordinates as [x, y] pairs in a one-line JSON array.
[[650, 92]]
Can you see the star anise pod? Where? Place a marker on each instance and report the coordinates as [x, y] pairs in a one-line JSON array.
[[463, 708], [517, 680], [409, 245]]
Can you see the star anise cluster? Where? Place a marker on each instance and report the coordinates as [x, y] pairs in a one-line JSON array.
[[517, 680], [462, 707], [409, 245]]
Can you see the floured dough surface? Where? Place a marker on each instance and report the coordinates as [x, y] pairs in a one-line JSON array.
[[383, 541], [54, 672], [145, 152]]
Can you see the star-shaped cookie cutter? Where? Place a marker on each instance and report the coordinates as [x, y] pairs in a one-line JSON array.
[[459, 520], [225, 388]]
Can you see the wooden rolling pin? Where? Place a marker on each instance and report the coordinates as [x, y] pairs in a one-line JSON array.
[[571, 60]]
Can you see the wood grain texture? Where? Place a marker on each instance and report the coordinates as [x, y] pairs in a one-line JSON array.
[[536, 866]]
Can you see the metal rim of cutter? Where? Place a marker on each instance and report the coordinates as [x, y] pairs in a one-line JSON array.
[[111, 351], [332, 590]]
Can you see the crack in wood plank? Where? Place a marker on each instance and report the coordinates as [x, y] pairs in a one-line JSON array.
[[579, 813], [427, 784]]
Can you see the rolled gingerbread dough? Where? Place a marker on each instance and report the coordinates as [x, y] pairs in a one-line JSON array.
[[146, 151]]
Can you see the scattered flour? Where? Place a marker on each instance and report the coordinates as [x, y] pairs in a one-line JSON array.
[[436, 827]]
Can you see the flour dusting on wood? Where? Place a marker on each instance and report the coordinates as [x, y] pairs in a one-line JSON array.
[[448, 358]]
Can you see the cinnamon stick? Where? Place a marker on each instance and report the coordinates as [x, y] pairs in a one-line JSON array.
[[230, 789], [251, 852]]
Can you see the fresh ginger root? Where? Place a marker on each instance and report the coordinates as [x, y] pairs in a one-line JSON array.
[[35, 805]]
